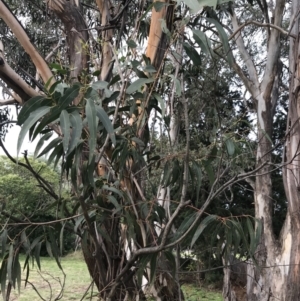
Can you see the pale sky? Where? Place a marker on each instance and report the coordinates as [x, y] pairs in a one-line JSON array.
[[11, 140]]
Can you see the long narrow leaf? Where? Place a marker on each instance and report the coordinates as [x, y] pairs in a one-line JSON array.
[[90, 110], [103, 117], [30, 121], [209, 219], [65, 128]]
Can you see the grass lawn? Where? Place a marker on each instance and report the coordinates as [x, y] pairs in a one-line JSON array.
[[78, 281]]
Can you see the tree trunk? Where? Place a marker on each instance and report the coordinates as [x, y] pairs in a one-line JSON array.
[[270, 275]]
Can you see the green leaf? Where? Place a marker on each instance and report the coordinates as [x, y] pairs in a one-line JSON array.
[[54, 248], [209, 219], [65, 128], [31, 120], [209, 170], [41, 143], [187, 222], [224, 39], [3, 277], [61, 239], [92, 123], [150, 69], [114, 201], [37, 251], [131, 44], [161, 102], [138, 84], [138, 141], [75, 165], [203, 42], [17, 272], [48, 247], [58, 151], [153, 263], [3, 242], [68, 97], [103, 117], [192, 53], [230, 147], [100, 85], [32, 105], [10, 261], [171, 258], [252, 236], [142, 266], [198, 173], [113, 189], [51, 145], [76, 124]]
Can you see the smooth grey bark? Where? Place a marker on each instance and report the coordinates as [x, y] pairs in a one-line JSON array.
[[268, 278]]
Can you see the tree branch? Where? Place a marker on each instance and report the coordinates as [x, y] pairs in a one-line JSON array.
[[18, 30]]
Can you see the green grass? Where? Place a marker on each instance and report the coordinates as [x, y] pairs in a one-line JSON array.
[[47, 280], [77, 282], [192, 293]]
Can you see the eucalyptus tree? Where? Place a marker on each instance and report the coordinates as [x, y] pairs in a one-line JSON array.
[[87, 81], [267, 27]]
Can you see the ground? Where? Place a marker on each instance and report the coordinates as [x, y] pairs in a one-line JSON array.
[[47, 281]]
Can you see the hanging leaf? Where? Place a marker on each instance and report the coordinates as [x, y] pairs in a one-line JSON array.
[[209, 219], [65, 128], [30, 106], [92, 123], [3, 240], [56, 152], [76, 124], [187, 222], [31, 120], [103, 117], [4, 277], [224, 39], [161, 102], [153, 263], [114, 201], [192, 53], [37, 251], [138, 84], [209, 170], [68, 97], [41, 143], [51, 145], [230, 147], [203, 42], [198, 173], [142, 266]]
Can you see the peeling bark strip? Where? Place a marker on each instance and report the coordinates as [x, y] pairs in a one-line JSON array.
[[157, 40]]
